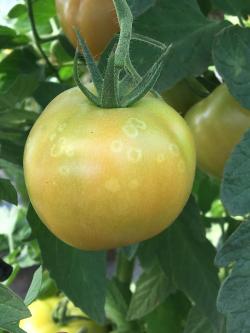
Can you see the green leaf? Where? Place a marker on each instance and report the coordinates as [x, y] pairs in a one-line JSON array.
[[206, 190], [12, 310], [152, 289], [116, 309], [170, 316], [20, 76], [79, 274], [43, 10], [187, 258], [234, 296], [35, 286], [179, 22], [197, 323], [17, 11], [233, 7], [231, 55], [235, 192], [8, 191], [140, 6], [46, 91], [11, 152], [9, 38], [48, 287]]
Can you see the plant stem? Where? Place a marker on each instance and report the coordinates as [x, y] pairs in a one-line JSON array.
[[38, 40], [124, 269], [13, 276]]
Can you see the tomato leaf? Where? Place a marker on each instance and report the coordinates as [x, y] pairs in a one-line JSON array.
[[169, 316], [35, 286], [116, 308], [12, 310], [235, 191], [86, 286], [187, 258], [233, 7], [46, 91], [8, 191], [152, 289], [9, 38], [17, 10], [140, 6], [197, 323], [234, 295], [182, 23], [231, 53]]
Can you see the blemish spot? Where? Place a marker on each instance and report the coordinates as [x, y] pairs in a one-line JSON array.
[[130, 130], [69, 151], [174, 149], [134, 155], [116, 146], [61, 141], [133, 126], [161, 158], [112, 185], [55, 150], [64, 170], [52, 137], [137, 123], [61, 127]]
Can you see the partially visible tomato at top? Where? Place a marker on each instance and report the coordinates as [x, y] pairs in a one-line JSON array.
[[96, 21]]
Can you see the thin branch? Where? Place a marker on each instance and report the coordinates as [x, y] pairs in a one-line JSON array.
[[38, 39]]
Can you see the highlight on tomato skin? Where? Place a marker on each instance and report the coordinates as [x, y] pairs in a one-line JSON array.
[[217, 123], [110, 177], [96, 23], [42, 321]]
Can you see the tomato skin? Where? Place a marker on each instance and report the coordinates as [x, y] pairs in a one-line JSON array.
[[104, 178], [42, 320], [96, 20], [184, 94], [217, 123]]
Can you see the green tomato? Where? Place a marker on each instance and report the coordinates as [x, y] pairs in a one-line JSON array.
[[184, 95], [105, 178], [217, 123], [41, 320]]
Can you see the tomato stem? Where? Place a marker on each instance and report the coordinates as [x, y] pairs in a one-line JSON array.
[[124, 269], [38, 39], [116, 80]]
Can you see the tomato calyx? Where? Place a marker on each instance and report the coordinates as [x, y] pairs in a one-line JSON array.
[[119, 85], [60, 315]]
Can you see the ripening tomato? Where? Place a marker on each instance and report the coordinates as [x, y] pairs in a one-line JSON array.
[[217, 123], [42, 320], [104, 178], [95, 19]]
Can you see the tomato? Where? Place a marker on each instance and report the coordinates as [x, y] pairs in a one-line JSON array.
[[217, 123], [42, 321], [104, 178], [184, 95], [95, 19]]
